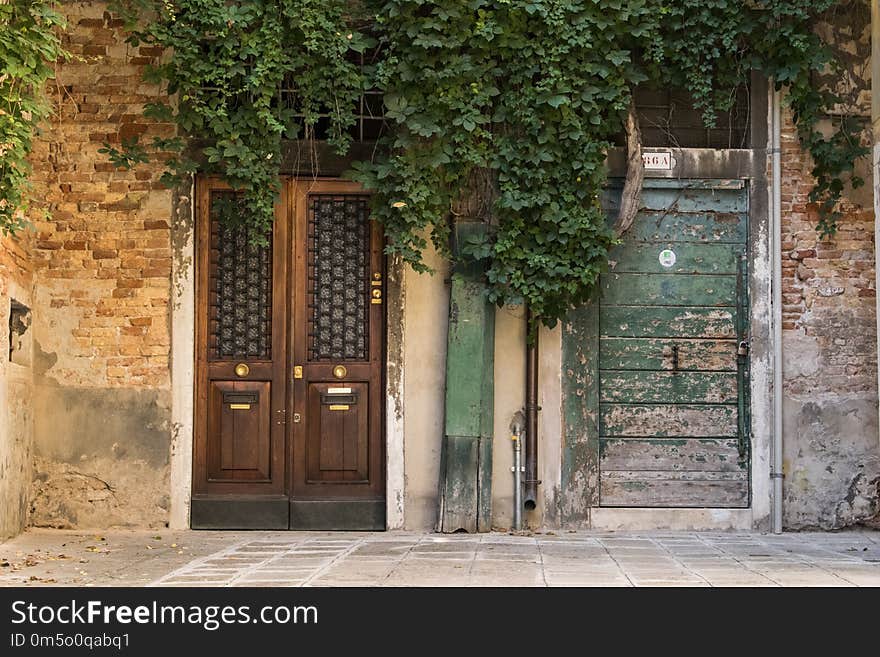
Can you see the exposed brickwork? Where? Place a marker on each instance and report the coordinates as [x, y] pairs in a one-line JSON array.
[[102, 266], [828, 286], [104, 255]]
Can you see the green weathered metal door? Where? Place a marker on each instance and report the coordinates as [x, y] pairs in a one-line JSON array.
[[672, 351]]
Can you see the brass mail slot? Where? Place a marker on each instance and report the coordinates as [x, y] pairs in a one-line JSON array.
[[338, 407], [351, 398], [240, 401]]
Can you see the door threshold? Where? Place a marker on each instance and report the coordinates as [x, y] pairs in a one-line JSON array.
[[338, 515], [239, 512]]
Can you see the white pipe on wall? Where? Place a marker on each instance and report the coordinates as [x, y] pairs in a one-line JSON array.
[[776, 291]]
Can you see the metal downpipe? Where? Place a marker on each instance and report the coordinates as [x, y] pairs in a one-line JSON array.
[[530, 483], [776, 258]]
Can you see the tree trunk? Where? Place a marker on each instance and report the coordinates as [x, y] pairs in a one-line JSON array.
[[631, 199]]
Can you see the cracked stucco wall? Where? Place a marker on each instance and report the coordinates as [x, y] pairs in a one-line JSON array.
[[16, 386], [832, 450]]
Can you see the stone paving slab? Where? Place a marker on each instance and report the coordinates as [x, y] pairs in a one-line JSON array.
[[213, 558]]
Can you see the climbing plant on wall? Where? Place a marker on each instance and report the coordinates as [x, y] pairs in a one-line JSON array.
[[243, 77], [500, 111], [709, 48], [29, 46]]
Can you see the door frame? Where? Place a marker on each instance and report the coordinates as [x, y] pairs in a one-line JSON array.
[[185, 255]]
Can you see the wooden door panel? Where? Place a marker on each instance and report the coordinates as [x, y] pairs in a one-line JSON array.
[[239, 448], [666, 322], [337, 431], [658, 354], [668, 290], [667, 420], [674, 489], [634, 387], [338, 342], [691, 258], [238, 419]]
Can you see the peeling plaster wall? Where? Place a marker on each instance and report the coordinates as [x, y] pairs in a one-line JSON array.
[[510, 388], [831, 448], [16, 387], [427, 309], [102, 269]]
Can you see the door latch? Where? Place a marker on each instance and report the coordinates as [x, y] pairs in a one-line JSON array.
[[297, 418]]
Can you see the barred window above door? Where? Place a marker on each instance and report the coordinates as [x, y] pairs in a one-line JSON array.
[[669, 119], [240, 286]]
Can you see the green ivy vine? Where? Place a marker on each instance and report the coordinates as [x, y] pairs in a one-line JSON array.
[[534, 90], [499, 111], [242, 78], [711, 47], [531, 91], [29, 47]]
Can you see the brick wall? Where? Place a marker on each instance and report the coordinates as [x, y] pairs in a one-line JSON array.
[[832, 450], [102, 260]]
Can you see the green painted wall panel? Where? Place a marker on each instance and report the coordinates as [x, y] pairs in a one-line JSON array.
[[579, 485], [466, 455]]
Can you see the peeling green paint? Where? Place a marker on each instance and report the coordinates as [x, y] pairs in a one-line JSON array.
[[650, 390], [466, 457]]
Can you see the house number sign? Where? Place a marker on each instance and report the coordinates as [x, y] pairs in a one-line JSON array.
[[657, 160]]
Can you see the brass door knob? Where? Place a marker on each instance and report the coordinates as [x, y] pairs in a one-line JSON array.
[[339, 371], [242, 370]]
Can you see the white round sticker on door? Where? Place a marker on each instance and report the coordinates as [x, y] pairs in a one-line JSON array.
[[667, 258]]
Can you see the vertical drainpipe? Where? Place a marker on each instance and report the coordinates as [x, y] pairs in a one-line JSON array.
[[875, 123], [776, 287], [530, 484]]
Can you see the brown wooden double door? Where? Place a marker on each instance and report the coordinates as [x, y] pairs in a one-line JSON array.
[[290, 357]]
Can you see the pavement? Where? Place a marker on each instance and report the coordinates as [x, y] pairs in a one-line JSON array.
[[41, 557]]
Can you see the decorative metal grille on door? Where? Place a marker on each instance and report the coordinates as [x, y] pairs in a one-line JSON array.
[[240, 298], [338, 278]]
